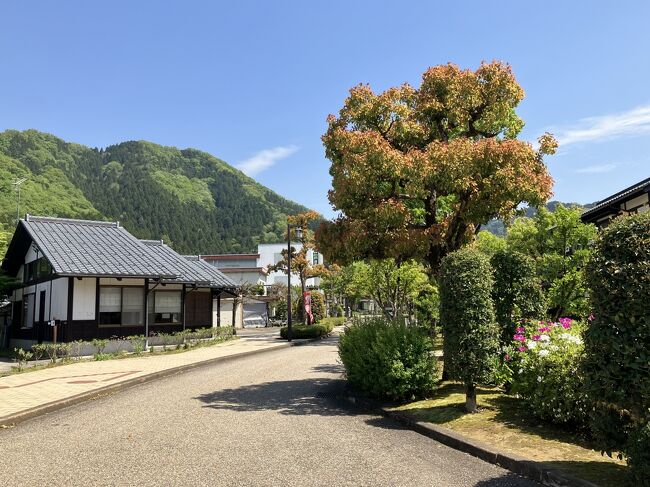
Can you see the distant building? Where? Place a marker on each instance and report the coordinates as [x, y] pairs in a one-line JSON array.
[[626, 202], [271, 254], [241, 268]]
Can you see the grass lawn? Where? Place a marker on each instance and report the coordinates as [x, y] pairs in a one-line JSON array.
[[505, 422]]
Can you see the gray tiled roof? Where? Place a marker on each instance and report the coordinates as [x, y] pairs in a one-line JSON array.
[[190, 270], [95, 248]]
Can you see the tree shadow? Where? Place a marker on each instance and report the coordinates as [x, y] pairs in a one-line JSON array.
[[320, 396], [507, 480], [329, 368]]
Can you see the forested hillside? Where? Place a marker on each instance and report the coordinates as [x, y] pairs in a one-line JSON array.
[[190, 198]]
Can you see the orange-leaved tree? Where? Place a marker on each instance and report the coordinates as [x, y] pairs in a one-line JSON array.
[[416, 171], [301, 264]]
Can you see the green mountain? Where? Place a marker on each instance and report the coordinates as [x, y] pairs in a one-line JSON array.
[[190, 198]]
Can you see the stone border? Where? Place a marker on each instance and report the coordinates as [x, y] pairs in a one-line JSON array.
[[527, 468], [14, 419]]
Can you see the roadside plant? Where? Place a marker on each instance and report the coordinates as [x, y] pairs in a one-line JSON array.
[[137, 343], [617, 341], [388, 360], [52, 351], [546, 361], [22, 357], [100, 345], [471, 342], [38, 350]]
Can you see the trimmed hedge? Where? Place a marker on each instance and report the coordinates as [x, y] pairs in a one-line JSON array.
[[617, 341], [388, 360], [318, 330], [471, 342], [516, 293]]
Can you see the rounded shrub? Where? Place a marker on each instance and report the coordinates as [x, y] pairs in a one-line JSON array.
[[617, 340], [388, 360], [318, 330], [516, 293], [471, 334], [546, 362]]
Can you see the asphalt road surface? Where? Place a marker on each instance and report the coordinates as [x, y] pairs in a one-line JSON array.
[[270, 419]]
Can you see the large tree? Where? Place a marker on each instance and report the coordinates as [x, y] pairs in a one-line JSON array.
[[417, 170]]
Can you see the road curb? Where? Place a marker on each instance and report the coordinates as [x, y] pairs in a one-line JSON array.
[[527, 468], [14, 419]]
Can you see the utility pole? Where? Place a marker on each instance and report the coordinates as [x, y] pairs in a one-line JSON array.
[[17, 184]]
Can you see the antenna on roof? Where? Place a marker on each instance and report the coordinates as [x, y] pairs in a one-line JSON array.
[[17, 182]]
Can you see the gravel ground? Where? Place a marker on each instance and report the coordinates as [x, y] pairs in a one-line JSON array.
[[270, 419]]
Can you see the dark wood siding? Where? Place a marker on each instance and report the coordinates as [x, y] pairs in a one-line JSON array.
[[198, 309]]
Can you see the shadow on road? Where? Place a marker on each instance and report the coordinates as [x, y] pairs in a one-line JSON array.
[[307, 396], [509, 479]]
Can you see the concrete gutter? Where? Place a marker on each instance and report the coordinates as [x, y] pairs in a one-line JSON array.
[[527, 468], [14, 419]]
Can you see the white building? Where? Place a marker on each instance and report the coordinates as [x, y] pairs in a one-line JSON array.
[[271, 254]]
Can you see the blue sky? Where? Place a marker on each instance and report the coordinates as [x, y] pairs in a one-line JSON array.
[[252, 82]]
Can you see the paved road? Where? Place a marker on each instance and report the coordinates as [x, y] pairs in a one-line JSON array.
[[270, 419]]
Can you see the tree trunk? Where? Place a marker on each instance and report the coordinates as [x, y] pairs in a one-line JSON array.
[[470, 398]]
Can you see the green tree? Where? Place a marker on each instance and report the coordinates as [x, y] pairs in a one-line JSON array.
[[559, 242], [416, 170], [467, 314]]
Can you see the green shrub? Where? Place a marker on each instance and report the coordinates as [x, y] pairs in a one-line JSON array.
[[617, 341], [388, 360], [307, 331], [21, 357], [334, 321], [516, 293], [467, 315], [546, 362]]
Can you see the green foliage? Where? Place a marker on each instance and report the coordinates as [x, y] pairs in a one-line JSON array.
[[467, 315], [617, 341], [317, 307], [560, 245], [547, 371], [198, 201], [489, 243], [516, 292], [388, 360], [334, 321], [318, 330]]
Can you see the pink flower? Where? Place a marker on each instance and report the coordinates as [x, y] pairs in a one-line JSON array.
[[519, 338], [566, 323], [522, 348], [507, 357], [536, 337], [591, 317], [521, 329], [545, 329]]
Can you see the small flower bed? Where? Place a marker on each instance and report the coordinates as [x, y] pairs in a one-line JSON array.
[[545, 361]]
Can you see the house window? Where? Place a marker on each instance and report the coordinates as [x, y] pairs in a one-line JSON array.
[[29, 301], [36, 269], [166, 307], [315, 258], [121, 306]]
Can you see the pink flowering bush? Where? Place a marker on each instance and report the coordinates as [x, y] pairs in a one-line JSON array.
[[545, 359]]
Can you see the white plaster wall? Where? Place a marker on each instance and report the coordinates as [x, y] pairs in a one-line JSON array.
[[226, 313], [60, 299], [83, 301]]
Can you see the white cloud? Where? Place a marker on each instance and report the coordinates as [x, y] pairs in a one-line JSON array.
[[606, 127], [264, 159], [596, 169]]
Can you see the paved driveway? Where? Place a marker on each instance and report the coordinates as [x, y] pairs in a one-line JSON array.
[[270, 419]]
